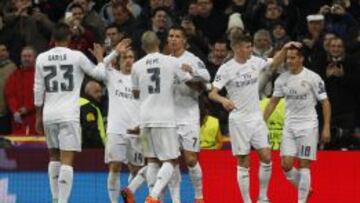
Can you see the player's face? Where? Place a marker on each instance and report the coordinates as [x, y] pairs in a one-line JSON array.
[[127, 60], [176, 40], [294, 60], [243, 50], [27, 58]]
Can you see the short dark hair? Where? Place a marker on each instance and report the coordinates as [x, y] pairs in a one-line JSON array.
[[76, 6], [61, 32], [240, 38], [179, 28], [113, 25], [153, 13]]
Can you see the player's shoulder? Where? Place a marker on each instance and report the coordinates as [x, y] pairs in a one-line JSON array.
[[256, 60], [228, 65], [311, 73]]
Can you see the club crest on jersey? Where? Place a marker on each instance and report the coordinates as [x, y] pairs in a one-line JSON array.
[[90, 117], [321, 88], [201, 65], [217, 78]]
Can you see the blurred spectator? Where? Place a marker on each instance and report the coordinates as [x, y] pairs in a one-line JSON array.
[[192, 9], [262, 44], [19, 94], [7, 67], [328, 36], [91, 18], [82, 37], [275, 123], [113, 37], [33, 26], [147, 12], [158, 24], [313, 47], [342, 79], [91, 119], [211, 22], [123, 18], [106, 11], [239, 6], [235, 26], [338, 20], [197, 41], [219, 52], [279, 35], [10, 36]]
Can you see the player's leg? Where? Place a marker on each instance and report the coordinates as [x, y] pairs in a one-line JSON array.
[[70, 143], [307, 148], [260, 141], [53, 172], [51, 133], [240, 146], [304, 180], [191, 147], [115, 155], [174, 183], [166, 147], [288, 151], [113, 181]]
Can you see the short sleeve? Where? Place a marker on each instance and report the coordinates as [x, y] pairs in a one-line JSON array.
[[319, 88], [278, 88], [222, 78]]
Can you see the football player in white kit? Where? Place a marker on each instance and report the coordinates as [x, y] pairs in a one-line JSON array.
[[187, 114], [153, 79], [247, 127], [301, 88], [58, 76], [121, 147]]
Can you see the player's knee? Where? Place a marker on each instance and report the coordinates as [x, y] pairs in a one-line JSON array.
[[191, 162], [115, 167], [266, 158], [286, 165]]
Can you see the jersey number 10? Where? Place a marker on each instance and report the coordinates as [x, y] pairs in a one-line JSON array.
[[65, 84]]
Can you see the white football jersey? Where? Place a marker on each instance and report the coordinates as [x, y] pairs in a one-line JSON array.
[[154, 76], [241, 83], [58, 76], [123, 107], [301, 92], [186, 99]]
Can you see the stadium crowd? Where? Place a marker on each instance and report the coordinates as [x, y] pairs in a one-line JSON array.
[[328, 29]]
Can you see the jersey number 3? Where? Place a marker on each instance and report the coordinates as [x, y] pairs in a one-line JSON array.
[[65, 84], [154, 77]]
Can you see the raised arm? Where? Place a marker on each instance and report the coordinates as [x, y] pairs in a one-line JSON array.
[[280, 56]]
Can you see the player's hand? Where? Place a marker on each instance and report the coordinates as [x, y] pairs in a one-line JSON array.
[[17, 118], [228, 104], [187, 68], [325, 135], [39, 126], [123, 46], [134, 131], [293, 44], [97, 51]]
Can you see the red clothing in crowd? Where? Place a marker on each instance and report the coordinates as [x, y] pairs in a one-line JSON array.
[[19, 93]]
